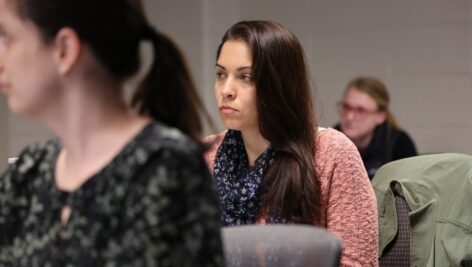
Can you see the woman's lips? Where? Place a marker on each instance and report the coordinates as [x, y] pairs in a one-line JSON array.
[[227, 110]]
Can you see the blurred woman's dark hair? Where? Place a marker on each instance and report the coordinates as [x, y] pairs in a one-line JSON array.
[[114, 30]]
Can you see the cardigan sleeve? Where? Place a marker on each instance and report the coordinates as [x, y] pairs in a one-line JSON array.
[[214, 142], [351, 209]]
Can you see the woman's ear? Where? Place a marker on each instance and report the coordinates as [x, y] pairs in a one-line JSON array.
[[381, 116], [67, 47]]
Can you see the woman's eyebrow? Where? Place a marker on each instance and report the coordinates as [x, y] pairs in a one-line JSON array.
[[238, 69]]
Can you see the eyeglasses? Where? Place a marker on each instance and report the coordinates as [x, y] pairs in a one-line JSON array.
[[358, 112]]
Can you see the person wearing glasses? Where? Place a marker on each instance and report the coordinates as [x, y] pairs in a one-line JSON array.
[[366, 119]]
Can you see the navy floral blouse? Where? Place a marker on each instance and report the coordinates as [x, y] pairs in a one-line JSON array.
[[239, 185], [154, 204]]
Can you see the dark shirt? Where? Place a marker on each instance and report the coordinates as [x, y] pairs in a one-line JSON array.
[[154, 204], [388, 144]]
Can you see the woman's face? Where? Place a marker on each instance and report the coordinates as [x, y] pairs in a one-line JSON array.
[[234, 86], [359, 114], [26, 63]]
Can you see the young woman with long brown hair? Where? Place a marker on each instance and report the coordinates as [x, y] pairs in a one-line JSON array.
[[274, 164]]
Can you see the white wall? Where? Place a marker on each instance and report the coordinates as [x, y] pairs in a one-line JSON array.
[[422, 49], [23, 132]]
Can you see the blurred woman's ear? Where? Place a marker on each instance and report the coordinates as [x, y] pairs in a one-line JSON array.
[[381, 117], [67, 49]]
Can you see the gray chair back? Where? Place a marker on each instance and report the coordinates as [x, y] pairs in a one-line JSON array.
[[397, 254], [280, 246]]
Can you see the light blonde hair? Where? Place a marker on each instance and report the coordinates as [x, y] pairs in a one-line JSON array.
[[379, 93]]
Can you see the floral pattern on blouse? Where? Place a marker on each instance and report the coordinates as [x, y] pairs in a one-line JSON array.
[[154, 204], [238, 185]]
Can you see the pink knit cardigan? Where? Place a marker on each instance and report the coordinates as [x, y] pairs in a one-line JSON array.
[[348, 200]]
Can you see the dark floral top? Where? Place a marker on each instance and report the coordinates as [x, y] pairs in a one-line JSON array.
[[238, 185], [154, 204]]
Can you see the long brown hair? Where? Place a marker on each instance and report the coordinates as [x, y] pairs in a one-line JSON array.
[[114, 31], [378, 92], [286, 118]]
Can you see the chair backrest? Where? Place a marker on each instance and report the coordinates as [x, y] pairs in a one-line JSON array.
[[280, 245], [397, 252]]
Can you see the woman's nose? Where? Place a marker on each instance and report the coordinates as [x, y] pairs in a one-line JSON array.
[[349, 115], [228, 91]]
